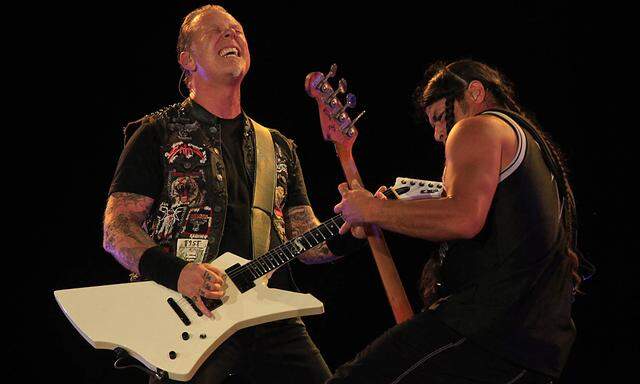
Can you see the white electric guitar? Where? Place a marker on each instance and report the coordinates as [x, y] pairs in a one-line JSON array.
[[168, 333]]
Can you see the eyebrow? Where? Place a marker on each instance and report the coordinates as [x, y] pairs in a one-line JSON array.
[[220, 28]]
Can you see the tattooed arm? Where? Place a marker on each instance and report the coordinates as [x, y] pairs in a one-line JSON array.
[[123, 234], [299, 220]]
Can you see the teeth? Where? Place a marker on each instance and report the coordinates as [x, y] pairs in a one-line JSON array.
[[230, 51]]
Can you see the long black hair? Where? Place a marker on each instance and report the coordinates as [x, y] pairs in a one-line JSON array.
[[449, 81]]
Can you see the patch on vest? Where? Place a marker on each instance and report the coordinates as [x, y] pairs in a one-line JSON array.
[[186, 154], [278, 222], [198, 223], [282, 170], [191, 250], [184, 130], [282, 176], [187, 188], [166, 221]]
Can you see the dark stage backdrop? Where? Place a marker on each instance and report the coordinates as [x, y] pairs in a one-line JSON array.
[[115, 63]]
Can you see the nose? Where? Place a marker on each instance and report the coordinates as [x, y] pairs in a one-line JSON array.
[[439, 132], [229, 32]]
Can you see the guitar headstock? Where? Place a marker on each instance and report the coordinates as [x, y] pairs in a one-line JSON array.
[[336, 124], [415, 189]]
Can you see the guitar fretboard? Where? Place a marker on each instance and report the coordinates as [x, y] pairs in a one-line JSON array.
[[288, 251]]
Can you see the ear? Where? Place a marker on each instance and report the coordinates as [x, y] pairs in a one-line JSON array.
[[477, 92], [186, 61]]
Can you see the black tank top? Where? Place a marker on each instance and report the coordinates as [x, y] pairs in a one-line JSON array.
[[510, 287]]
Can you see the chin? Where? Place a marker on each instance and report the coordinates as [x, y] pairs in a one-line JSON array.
[[237, 72]]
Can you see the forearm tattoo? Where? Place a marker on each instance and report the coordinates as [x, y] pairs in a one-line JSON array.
[[124, 237], [299, 220]]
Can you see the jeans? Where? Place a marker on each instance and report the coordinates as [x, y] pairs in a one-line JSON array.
[[278, 352], [424, 350]]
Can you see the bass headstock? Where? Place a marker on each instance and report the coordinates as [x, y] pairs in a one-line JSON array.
[[336, 124]]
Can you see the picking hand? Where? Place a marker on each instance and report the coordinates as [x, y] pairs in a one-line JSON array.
[[198, 280]]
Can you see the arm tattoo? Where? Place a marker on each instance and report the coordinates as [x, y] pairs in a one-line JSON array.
[[124, 237], [299, 220]]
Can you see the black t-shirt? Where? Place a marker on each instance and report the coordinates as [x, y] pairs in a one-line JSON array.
[[140, 171], [238, 218]]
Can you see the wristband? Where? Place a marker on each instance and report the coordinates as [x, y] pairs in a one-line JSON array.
[[161, 267]]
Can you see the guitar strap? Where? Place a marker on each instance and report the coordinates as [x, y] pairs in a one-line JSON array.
[[264, 190]]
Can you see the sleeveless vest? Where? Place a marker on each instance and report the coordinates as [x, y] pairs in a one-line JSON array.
[[188, 217], [510, 287]]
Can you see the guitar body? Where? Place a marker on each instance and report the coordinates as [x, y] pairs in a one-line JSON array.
[[138, 318]]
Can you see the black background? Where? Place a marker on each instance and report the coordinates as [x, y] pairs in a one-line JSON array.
[[113, 63]]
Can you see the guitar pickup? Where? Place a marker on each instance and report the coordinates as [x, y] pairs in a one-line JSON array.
[[176, 308], [193, 305]]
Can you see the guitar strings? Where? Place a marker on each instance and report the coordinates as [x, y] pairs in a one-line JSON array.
[[272, 252], [245, 268]]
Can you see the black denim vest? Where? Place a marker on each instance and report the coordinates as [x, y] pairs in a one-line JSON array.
[[192, 205]]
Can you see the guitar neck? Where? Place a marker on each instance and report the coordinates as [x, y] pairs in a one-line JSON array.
[[386, 267], [348, 164], [290, 250]]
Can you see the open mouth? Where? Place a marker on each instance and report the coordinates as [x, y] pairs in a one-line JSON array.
[[229, 52]]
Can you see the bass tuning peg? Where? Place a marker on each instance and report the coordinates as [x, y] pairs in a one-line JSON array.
[[349, 130], [322, 85], [342, 88], [350, 103]]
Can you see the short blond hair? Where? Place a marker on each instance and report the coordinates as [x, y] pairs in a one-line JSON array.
[[186, 30]]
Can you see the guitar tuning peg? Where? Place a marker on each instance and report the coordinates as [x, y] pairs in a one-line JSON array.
[[322, 85], [350, 103], [342, 88], [332, 70], [351, 100], [349, 130]]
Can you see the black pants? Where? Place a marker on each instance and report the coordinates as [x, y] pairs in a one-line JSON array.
[[279, 352], [424, 350]]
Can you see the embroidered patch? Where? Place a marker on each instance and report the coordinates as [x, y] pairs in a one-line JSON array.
[[282, 177], [187, 151], [198, 223], [166, 220], [184, 130], [187, 188], [191, 250], [279, 201], [282, 170], [278, 224]]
